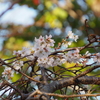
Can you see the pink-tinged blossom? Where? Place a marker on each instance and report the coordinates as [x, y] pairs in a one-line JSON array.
[[39, 42], [43, 47], [49, 41], [97, 58], [84, 61], [17, 64], [42, 60], [50, 61], [72, 56], [8, 73], [24, 52], [31, 57], [17, 53], [45, 62], [58, 60], [41, 53]]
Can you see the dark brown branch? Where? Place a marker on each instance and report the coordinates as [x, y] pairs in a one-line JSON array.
[[4, 63], [50, 88], [80, 48], [62, 96], [56, 85], [87, 71]]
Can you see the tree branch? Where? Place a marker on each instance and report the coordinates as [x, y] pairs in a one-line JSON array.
[[62, 96], [56, 85]]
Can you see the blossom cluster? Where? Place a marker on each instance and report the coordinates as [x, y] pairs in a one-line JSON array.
[[42, 50], [8, 73]]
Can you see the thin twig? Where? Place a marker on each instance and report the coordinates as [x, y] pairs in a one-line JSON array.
[[61, 96]]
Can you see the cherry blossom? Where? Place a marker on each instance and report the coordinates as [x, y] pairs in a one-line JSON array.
[[72, 36], [66, 44], [49, 41], [17, 64], [43, 47], [25, 51], [8, 73], [97, 58], [72, 56]]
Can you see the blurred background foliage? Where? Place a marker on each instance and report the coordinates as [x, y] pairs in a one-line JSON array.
[[54, 17]]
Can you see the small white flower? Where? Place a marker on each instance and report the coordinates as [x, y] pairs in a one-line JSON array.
[[42, 60], [87, 53], [71, 35], [65, 45], [72, 56], [8, 73], [49, 41], [50, 61], [31, 57], [17, 64], [70, 42], [62, 61], [48, 37], [97, 58], [76, 37], [17, 53], [25, 51]]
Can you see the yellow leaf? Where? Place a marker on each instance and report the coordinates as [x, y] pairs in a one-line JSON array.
[[60, 13], [48, 4], [15, 77]]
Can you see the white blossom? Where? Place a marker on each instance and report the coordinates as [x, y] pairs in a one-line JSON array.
[[49, 41], [17, 53], [87, 53], [17, 64], [70, 42], [72, 56], [72, 36], [43, 47], [24, 52], [97, 58], [50, 61], [75, 38], [8, 73]]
